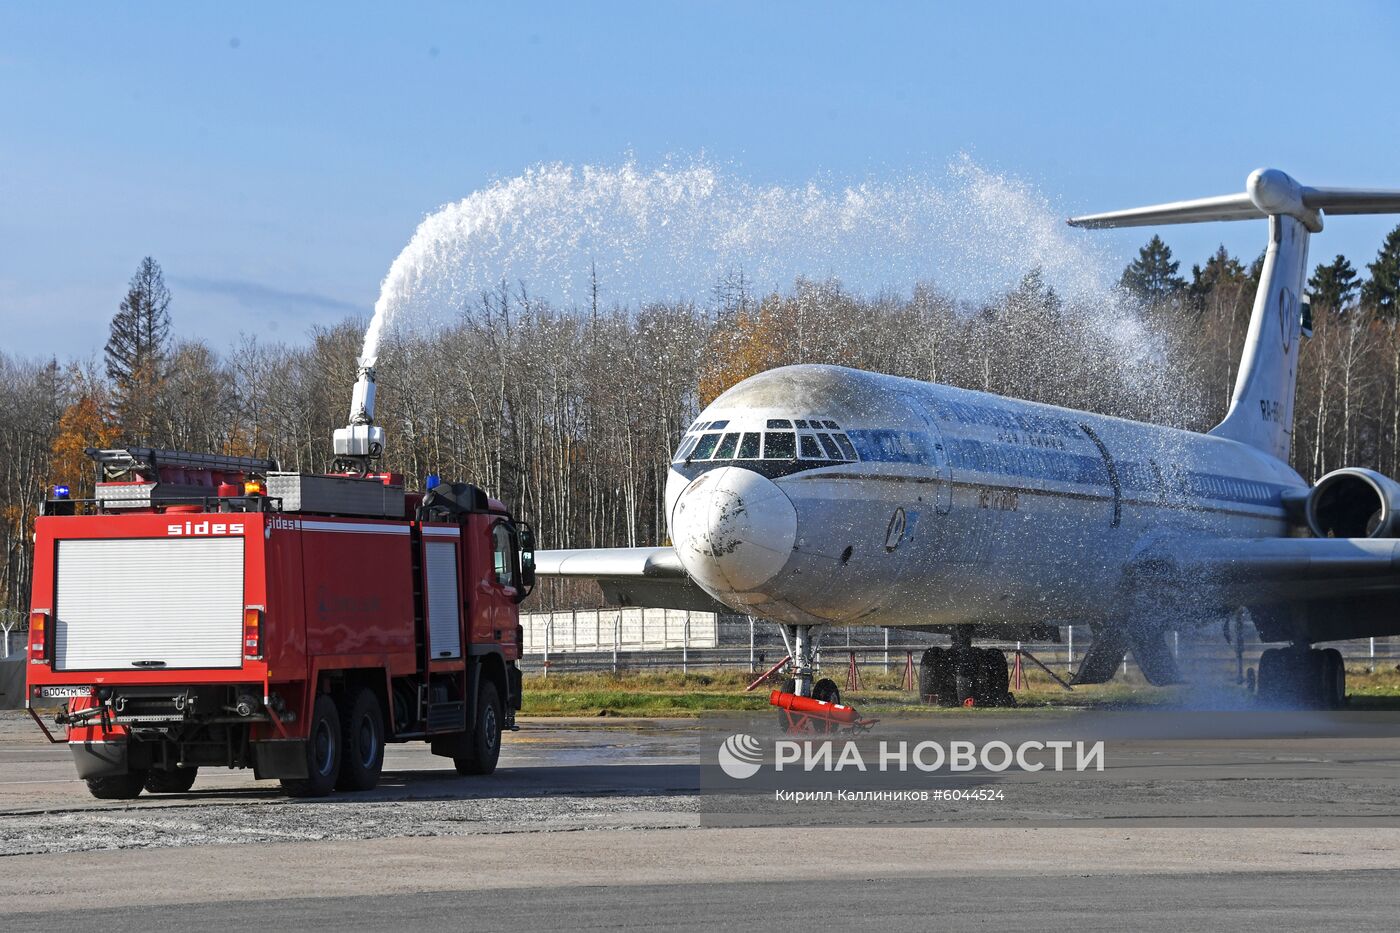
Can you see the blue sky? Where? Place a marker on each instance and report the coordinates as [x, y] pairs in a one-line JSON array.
[[276, 157]]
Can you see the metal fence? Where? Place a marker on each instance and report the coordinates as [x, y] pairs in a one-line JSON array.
[[14, 625], [595, 640]]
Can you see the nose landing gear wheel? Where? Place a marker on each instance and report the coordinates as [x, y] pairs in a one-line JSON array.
[[826, 691]]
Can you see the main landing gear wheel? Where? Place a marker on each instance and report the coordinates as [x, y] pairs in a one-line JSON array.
[[937, 681], [1334, 679], [967, 674], [979, 677], [322, 752], [996, 683], [171, 781], [1308, 677], [119, 786], [826, 691]]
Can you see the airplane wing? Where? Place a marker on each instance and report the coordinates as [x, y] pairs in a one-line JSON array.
[[631, 576], [1262, 571]]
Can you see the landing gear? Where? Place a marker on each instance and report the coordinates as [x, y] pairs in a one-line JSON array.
[[965, 676], [802, 660], [1305, 677], [808, 707]]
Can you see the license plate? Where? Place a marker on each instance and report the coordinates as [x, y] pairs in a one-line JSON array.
[[64, 693]]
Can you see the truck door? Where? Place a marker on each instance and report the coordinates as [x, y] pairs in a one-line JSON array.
[[443, 591]]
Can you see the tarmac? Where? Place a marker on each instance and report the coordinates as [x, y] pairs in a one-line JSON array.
[[601, 824]]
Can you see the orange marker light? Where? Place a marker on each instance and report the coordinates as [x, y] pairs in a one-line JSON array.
[[252, 633], [39, 638]]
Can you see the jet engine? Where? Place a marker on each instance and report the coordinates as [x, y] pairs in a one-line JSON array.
[[1354, 503]]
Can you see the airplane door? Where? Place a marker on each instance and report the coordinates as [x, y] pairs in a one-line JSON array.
[[938, 457]]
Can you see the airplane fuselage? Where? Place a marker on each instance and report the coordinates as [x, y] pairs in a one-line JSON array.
[[825, 495]]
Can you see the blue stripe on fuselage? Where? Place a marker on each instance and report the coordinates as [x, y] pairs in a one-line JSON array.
[[1009, 460]]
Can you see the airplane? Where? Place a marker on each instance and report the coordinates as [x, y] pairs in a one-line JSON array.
[[817, 495]]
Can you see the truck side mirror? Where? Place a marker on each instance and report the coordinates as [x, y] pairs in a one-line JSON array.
[[527, 557]]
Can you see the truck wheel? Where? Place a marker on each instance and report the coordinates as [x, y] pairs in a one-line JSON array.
[[362, 744], [172, 781], [119, 786], [322, 753], [486, 738]]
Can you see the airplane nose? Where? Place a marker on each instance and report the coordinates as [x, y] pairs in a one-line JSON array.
[[733, 529]]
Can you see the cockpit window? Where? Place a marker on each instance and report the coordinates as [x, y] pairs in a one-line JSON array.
[[780, 445], [832, 424], [706, 446], [829, 445], [703, 442]]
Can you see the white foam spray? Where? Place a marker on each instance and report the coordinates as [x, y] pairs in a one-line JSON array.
[[673, 232]]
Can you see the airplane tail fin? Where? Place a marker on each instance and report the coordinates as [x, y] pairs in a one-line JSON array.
[[1261, 410]]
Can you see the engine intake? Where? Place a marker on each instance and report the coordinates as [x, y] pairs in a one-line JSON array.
[[1354, 503]]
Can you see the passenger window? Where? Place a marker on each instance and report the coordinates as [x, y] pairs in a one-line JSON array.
[[726, 447], [780, 445], [503, 547], [780, 423], [705, 447], [844, 443], [748, 448], [810, 450], [832, 451]]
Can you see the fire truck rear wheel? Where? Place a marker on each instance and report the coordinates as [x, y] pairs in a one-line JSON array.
[[172, 781], [322, 753], [362, 743], [486, 737], [119, 786]]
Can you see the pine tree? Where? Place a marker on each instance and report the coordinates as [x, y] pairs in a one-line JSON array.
[[1334, 285], [1221, 272], [138, 349], [1382, 292], [1152, 276]]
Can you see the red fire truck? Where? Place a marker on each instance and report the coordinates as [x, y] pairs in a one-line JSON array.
[[216, 611]]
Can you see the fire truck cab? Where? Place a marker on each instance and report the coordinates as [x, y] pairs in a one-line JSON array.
[[216, 611]]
